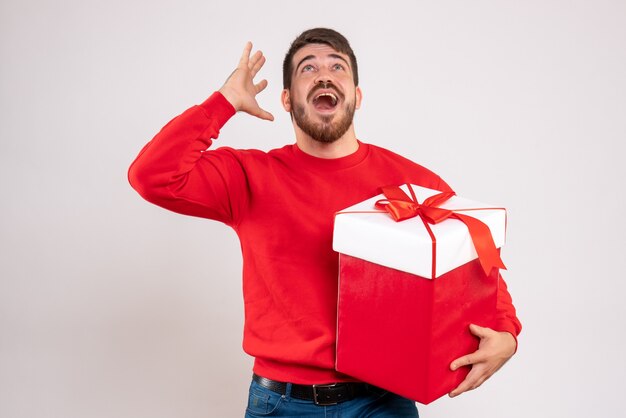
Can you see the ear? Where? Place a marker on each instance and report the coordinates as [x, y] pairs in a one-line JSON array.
[[286, 100], [359, 97]]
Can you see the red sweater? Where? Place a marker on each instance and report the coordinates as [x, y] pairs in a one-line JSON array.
[[281, 204]]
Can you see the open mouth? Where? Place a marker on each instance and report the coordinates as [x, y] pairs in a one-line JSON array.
[[326, 101]]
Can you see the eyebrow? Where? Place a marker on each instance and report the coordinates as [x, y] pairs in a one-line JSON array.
[[309, 57]]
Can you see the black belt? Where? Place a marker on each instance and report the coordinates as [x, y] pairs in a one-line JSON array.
[[330, 394]]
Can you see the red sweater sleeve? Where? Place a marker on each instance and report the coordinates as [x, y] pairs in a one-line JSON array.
[[175, 170], [506, 316]]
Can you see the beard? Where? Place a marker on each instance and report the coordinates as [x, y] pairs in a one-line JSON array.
[[327, 130]]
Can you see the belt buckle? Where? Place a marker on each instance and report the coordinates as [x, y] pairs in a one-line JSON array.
[[316, 395]]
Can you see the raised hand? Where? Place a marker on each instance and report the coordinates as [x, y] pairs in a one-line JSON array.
[[494, 349], [240, 89]]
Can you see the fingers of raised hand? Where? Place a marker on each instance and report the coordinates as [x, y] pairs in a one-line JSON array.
[[254, 59], [263, 114], [256, 62], [260, 86], [245, 55]]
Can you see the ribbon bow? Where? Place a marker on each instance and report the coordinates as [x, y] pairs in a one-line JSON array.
[[401, 207]]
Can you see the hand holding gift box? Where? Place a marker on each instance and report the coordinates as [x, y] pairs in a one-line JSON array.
[[400, 331]]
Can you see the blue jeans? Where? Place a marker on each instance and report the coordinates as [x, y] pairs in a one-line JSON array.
[[263, 402]]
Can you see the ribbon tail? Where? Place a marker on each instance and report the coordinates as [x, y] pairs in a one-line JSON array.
[[483, 243]]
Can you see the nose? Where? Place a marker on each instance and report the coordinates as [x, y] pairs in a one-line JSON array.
[[323, 77]]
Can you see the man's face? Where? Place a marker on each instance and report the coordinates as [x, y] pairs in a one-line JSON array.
[[322, 98]]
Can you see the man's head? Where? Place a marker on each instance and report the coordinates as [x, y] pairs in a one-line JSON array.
[[322, 36], [321, 84]]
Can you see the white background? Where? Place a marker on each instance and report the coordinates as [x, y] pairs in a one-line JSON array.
[[112, 307]]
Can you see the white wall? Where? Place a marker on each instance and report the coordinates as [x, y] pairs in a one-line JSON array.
[[111, 307]]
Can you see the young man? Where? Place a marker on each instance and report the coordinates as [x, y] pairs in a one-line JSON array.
[[281, 204]]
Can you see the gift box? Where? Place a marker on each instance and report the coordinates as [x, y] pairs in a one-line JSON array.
[[417, 266]]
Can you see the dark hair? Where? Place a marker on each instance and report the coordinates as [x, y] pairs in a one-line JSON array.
[[325, 36]]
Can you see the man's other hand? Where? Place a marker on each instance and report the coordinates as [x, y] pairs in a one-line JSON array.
[[494, 350], [240, 89]]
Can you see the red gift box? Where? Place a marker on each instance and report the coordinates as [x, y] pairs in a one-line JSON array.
[[399, 330]]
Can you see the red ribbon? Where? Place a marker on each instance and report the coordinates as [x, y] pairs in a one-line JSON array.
[[401, 207]]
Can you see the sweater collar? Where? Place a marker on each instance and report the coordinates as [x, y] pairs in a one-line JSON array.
[[316, 163]]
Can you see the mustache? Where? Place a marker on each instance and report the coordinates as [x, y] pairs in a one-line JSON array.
[[324, 86]]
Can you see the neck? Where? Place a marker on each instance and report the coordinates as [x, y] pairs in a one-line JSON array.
[[342, 147]]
